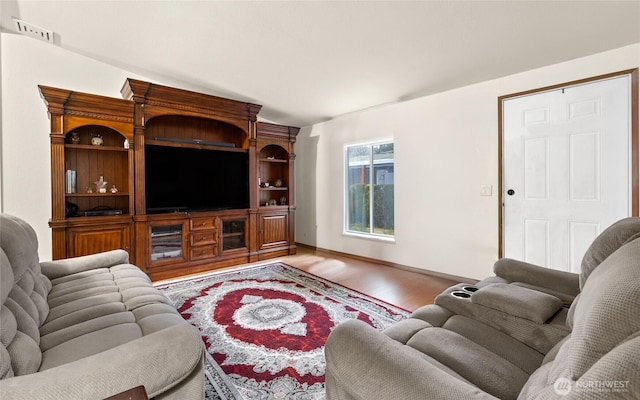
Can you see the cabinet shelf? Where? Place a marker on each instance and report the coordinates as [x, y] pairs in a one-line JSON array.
[[274, 188], [273, 160], [96, 194], [236, 234], [92, 147], [81, 220]]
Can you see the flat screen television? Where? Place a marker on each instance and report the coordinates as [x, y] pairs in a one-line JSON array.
[[184, 179]]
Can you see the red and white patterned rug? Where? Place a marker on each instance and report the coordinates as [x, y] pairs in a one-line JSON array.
[[265, 327]]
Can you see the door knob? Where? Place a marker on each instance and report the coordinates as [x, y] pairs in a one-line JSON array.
[[511, 192]]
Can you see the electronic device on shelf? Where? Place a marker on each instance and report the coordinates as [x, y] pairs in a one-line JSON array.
[[102, 212]]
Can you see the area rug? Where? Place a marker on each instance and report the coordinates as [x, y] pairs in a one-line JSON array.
[[265, 327]]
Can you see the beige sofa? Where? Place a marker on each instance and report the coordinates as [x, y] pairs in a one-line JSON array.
[[511, 336], [88, 327]]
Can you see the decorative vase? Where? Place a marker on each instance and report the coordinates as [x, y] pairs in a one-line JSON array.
[[96, 139]]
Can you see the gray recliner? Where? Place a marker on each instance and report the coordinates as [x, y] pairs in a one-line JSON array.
[[505, 340], [88, 327]]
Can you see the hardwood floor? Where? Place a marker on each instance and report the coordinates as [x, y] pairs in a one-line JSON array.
[[402, 288]]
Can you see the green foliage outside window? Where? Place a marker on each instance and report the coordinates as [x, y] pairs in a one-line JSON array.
[[383, 215]]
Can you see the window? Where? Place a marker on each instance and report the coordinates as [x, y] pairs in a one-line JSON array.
[[369, 194]]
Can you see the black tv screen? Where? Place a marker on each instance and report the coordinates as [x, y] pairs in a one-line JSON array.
[[181, 179]]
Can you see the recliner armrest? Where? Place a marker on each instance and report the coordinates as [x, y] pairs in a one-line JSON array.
[[67, 266], [539, 336], [535, 275], [518, 301]]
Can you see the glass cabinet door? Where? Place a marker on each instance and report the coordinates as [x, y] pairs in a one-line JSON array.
[[233, 234], [166, 242]]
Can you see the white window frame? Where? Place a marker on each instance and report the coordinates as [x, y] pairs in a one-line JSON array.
[[345, 187]]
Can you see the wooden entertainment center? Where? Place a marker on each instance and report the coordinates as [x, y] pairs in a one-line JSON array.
[[99, 179]]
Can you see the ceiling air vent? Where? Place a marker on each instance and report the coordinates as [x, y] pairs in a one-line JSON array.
[[33, 30]]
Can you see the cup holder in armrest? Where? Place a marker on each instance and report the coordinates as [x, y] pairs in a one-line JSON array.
[[461, 294], [470, 288]]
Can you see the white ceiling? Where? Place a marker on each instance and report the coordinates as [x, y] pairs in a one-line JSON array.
[[308, 61]]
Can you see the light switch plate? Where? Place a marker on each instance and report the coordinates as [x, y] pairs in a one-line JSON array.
[[485, 190]]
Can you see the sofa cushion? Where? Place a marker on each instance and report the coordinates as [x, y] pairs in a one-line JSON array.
[[6, 277], [503, 345], [23, 292], [25, 323], [82, 294], [8, 325], [158, 322], [81, 304], [71, 332], [104, 279], [432, 314], [96, 310], [25, 354], [92, 274], [5, 363], [404, 330], [478, 365], [81, 315], [90, 344]]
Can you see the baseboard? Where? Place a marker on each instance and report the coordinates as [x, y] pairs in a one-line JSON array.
[[422, 271]]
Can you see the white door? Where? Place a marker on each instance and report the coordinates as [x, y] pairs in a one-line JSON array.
[[566, 170]]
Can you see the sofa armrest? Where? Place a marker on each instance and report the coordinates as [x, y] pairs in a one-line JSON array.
[[518, 301], [535, 275], [158, 361], [67, 266], [354, 351]]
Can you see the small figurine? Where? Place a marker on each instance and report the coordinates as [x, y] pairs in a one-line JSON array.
[[96, 139], [89, 190], [114, 189], [126, 143], [101, 185], [75, 139]]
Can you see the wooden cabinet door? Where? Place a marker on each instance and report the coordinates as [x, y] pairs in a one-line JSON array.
[[273, 230], [82, 241]]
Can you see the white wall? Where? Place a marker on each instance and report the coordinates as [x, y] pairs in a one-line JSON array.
[[446, 146], [26, 163]]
